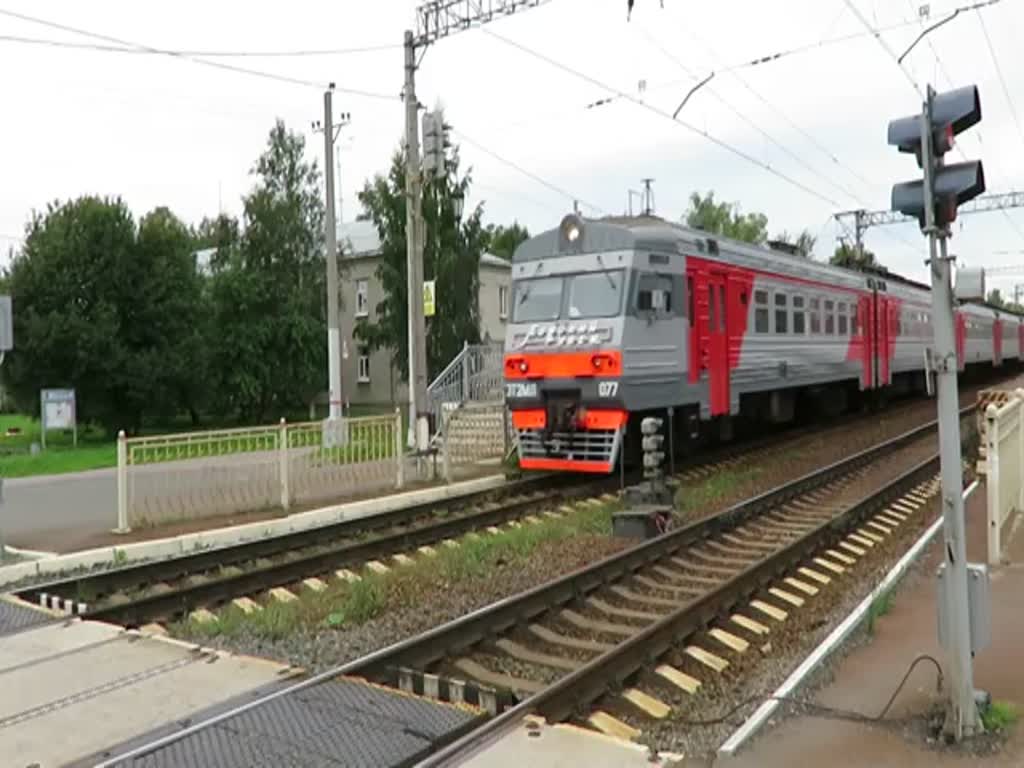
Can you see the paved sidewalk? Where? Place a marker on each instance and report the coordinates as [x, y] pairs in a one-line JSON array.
[[866, 678]]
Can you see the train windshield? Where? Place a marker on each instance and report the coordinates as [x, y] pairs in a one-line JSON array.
[[538, 300], [595, 294]]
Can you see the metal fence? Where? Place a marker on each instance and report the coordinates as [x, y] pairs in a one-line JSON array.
[[476, 375], [1004, 467], [175, 478]]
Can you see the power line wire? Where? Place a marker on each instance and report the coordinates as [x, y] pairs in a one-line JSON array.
[[768, 137], [529, 174], [193, 59], [236, 54], [789, 121], [666, 115], [888, 48], [1002, 80]]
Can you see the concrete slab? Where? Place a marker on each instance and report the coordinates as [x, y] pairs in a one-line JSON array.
[[76, 688], [539, 745]]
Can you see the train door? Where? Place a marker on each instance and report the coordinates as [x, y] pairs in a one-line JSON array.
[[866, 331], [718, 344], [884, 339]]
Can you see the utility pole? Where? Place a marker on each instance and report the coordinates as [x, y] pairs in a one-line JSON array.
[[414, 229], [331, 237], [934, 201]]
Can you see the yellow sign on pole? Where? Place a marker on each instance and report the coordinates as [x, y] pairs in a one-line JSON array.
[[428, 298]]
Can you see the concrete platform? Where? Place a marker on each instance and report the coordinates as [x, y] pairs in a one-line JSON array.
[[536, 744], [73, 688]]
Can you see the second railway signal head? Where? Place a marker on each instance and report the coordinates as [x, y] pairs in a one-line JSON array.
[[929, 136]]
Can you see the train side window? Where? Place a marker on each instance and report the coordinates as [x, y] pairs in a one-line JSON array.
[[799, 318], [721, 308], [761, 311], [843, 319], [815, 315], [712, 323], [830, 318], [855, 318], [781, 313], [691, 298], [654, 294]]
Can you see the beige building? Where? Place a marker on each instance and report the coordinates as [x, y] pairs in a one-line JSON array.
[[367, 378]]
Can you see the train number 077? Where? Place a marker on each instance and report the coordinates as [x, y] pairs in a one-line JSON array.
[[607, 388]]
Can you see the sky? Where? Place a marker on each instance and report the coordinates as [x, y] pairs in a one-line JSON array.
[[797, 138]]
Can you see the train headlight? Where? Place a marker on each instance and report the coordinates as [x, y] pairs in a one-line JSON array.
[[571, 233]]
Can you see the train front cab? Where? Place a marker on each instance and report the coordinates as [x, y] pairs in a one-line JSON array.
[[562, 408]]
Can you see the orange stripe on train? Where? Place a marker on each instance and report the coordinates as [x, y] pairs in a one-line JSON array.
[[563, 365], [586, 418]]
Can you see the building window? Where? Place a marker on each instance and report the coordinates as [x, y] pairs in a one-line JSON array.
[[799, 318], [503, 302], [364, 365], [781, 312], [363, 300], [761, 311], [815, 315]]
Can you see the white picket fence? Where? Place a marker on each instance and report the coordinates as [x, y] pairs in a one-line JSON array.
[[1004, 467], [180, 477]]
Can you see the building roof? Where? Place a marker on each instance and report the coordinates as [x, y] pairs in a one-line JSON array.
[[360, 239]]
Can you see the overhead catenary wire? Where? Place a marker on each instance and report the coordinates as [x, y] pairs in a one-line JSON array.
[[753, 124], [667, 116], [212, 54], [885, 46], [529, 174], [194, 59]]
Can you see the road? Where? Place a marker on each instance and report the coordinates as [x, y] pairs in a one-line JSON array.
[[51, 511]]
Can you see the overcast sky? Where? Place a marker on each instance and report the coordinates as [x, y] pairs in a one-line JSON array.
[[160, 130]]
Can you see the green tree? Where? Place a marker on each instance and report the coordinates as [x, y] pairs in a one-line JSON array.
[[170, 329], [451, 257], [105, 309], [803, 242], [995, 298], [726, 219], [268, 294], [849, 257], [502, 241]]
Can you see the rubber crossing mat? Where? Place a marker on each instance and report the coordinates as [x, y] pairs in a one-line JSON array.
[[16, 616], [344, 722]]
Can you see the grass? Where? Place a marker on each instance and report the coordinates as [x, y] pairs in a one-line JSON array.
[[999, 716], [344, 604], [880, 606], [95, 449], [711, 493]]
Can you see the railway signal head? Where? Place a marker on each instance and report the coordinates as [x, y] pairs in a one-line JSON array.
[[435, 144], [651, 425], [929, 136]]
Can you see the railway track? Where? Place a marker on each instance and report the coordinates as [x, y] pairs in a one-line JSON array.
[[607, 636], [165, 589], [705, 591], [162, 590]]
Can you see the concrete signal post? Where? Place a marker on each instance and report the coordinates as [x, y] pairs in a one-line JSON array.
[[933, 200]]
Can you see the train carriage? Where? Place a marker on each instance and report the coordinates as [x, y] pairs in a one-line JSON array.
[[614, 319]]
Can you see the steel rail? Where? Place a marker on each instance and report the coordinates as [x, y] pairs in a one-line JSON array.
[[465, 631], [578, 689]]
